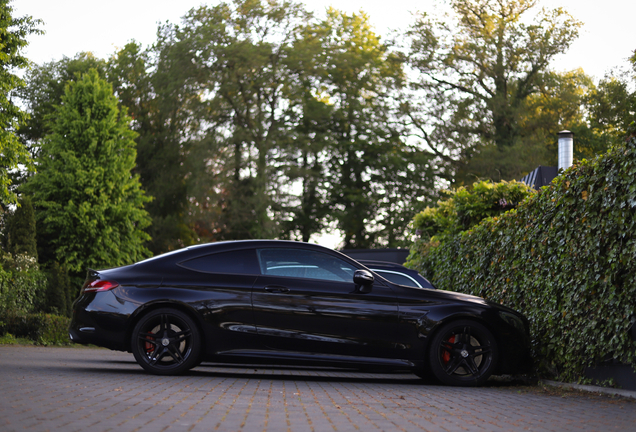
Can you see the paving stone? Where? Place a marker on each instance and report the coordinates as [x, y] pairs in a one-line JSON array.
[[76, 389]]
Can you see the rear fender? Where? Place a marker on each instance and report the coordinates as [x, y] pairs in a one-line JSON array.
[[158, 304]]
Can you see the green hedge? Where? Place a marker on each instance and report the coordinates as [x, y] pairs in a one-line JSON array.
[[42, 328], [465, 207], [566, 258], [22, 288]]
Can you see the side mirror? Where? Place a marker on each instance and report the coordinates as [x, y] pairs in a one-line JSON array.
[[363, 278]]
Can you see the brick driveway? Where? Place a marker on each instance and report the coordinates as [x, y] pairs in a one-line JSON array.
[[95, 390]]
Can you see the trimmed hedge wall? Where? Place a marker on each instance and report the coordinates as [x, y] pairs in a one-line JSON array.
[[42, 328], [566, 258]]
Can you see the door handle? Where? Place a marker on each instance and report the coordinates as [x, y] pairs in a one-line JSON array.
[[276, 289]]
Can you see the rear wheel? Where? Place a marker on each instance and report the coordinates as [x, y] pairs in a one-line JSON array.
[[166, 342], [463, 353]]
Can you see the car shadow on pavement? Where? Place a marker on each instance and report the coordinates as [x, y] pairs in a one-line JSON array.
[[284, 373], [130, 368]]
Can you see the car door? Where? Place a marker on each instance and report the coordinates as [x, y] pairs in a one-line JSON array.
[[226, 279], [305, 301]]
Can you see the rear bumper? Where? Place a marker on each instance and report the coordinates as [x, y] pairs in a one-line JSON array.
[[92, 323]]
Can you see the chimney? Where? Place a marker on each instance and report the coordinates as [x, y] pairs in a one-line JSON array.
[[566, 149]]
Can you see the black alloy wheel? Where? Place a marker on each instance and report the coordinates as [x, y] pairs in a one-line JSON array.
[[166, 342], [463, 353]]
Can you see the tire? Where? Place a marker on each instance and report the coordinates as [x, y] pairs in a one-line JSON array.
[[166, 342], [463, 353], [426, 376]]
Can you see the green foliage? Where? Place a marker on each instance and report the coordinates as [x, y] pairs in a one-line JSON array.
[[481, 70], [89, 208], [368, 165], [44, 90], [21, 284], [304, 128], [13, 34], [240, 50], [9, 339], [564, 257], [157, 86], [258, 119], [562, 101], [156, 102], [19, 231], [465, 207], [59, 294], [44, 329], [612, 107]]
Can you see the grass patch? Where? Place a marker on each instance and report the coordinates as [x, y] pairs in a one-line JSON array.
[[9, 339]]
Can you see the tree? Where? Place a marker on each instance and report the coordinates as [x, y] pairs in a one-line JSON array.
[[478, 73], [89, 208], [558, 104], [612, 107], [13, 33], [376, 181], [240, 51], [152, 85], [59, 294], [295, 124], [158, 88], [19, 232], [44, 90]]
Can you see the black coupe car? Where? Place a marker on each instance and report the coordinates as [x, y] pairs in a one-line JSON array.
[[284, 302]]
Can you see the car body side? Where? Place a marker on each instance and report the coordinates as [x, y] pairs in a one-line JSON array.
[[388, 326]]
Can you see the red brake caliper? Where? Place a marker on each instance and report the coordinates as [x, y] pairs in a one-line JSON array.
[[446, 356], [149, 347]]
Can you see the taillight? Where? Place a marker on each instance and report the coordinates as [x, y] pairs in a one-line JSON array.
[[99, 285]]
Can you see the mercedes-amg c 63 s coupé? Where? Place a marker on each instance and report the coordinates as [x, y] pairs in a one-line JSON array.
[[284, 302]]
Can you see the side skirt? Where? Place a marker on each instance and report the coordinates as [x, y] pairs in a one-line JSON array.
[[302, 358]]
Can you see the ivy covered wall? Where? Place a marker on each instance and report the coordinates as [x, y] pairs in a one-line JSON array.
[[565, 257]]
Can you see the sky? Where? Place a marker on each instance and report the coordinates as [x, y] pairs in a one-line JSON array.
[[606, 40]]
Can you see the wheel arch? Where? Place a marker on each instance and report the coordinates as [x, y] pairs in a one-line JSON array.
[[470, 379], [160, 304], [460, 317]]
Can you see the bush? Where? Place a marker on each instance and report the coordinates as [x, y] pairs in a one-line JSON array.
[[58, 295], [465, 207], [19, 232], [564, 257], [42, 328], [22, 285]]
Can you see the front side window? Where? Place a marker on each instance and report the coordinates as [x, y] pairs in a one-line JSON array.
[[398, 278], [305, 264]]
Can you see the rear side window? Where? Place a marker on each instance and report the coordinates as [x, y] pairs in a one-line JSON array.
[[232, 262]]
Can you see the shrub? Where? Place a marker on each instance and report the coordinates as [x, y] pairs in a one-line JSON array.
[[565, 258], [42, 328], [465, 207], [19, 232], [22, 285], [58, 295]]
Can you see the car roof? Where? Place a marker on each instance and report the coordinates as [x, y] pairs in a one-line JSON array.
[[222, 246]]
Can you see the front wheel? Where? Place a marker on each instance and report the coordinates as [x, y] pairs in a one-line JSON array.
[[166, 342], [463, 353]]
